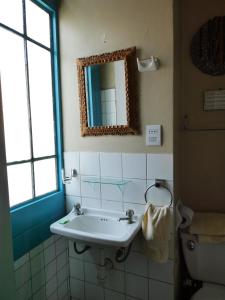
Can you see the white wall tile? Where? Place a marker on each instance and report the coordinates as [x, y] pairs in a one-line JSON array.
[[159, 290], [73, 188], [76, 268], [110, 253], [160, 166], [51, 286], [37, 263], [138, 243], [115, 281], [38, 269], [137, 263], [91, 202], [111, 192], [137, 286], [112, 205], [89, 163], [21, 261], [70, 201], [90, 189], [162, 271], [50, 270], [91, 272], [134, 191], [61, 260], [134, 165], [138, 208], [77, 288], [54, 296], [60, 245], [63, 274], [25, 292], [111, 164], [72, 253], [71, 161], [62, 290], [93, 292], [40, 294], [48, 242], [36, 250], [112, 295], [49, 254], [38, 281], [92, 255], [110, 94], [160, 196]]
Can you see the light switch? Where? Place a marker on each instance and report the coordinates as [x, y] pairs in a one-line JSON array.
[[153, 135]]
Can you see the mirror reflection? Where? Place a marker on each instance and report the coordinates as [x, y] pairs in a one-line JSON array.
[[106, 94]]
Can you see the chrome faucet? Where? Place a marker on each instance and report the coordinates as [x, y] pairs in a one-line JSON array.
[[129, 218], [77, 209]]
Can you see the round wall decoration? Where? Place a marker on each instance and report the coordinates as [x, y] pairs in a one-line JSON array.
[[208, 47]]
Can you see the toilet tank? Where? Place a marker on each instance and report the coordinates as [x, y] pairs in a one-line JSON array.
[[205, 262]]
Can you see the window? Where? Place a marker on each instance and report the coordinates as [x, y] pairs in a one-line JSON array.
[[26, 80], [31, 108]]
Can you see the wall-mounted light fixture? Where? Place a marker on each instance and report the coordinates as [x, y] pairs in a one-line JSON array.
[[146, 65]]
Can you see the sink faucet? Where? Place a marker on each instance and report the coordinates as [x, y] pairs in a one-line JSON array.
[[77, 209], [129, 218]]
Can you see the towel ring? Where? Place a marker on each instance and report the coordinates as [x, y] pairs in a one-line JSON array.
[[159, 184]]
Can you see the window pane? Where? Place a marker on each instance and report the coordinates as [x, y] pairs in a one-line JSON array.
[[20, 183], [11, 14], [41, 100], [13, 82], [45, 176], [38, 26]]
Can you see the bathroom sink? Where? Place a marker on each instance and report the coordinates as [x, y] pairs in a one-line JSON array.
[[98, 226]]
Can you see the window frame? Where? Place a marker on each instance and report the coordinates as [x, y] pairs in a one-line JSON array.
[[31, 219]]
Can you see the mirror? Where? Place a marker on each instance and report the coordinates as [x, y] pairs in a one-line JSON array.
[[107, 93]]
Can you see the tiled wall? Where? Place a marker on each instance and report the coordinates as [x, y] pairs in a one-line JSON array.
[[138, 277], [108, 105], [42, 273]]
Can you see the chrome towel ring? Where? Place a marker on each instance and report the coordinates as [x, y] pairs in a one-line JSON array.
[[159, 184]]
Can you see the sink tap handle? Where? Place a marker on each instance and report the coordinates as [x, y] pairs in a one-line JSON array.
[[77, 209], [130, 213], [77, 206]]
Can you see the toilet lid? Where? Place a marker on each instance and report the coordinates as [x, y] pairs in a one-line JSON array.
[[210, 292]]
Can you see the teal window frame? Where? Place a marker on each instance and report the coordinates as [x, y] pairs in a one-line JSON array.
[[31, 220]]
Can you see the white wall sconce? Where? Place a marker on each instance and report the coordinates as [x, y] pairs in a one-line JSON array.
[[146, 65], [67, 179]]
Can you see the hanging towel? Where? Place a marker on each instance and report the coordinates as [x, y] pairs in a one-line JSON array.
[[184, 216], [156, 230], [209, 227]]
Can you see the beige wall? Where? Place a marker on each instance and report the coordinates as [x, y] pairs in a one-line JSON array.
[[203, 153], [98, 26]]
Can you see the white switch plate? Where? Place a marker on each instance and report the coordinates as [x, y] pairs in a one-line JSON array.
[[153, 135]]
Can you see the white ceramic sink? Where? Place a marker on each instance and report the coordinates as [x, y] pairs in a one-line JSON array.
[[98, 226]]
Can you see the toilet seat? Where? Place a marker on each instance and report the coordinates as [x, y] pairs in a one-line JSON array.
[[210, 292]]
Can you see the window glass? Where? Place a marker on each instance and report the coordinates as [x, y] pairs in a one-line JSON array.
[[27, 95], [45, 176], [11, 14], [14, 96], [38, 27], [20, 183], [40, 80]]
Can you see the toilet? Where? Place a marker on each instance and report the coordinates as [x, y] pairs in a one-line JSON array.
[[206, 263]]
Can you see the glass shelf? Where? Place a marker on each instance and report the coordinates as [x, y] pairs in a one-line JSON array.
[[120, 183]]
